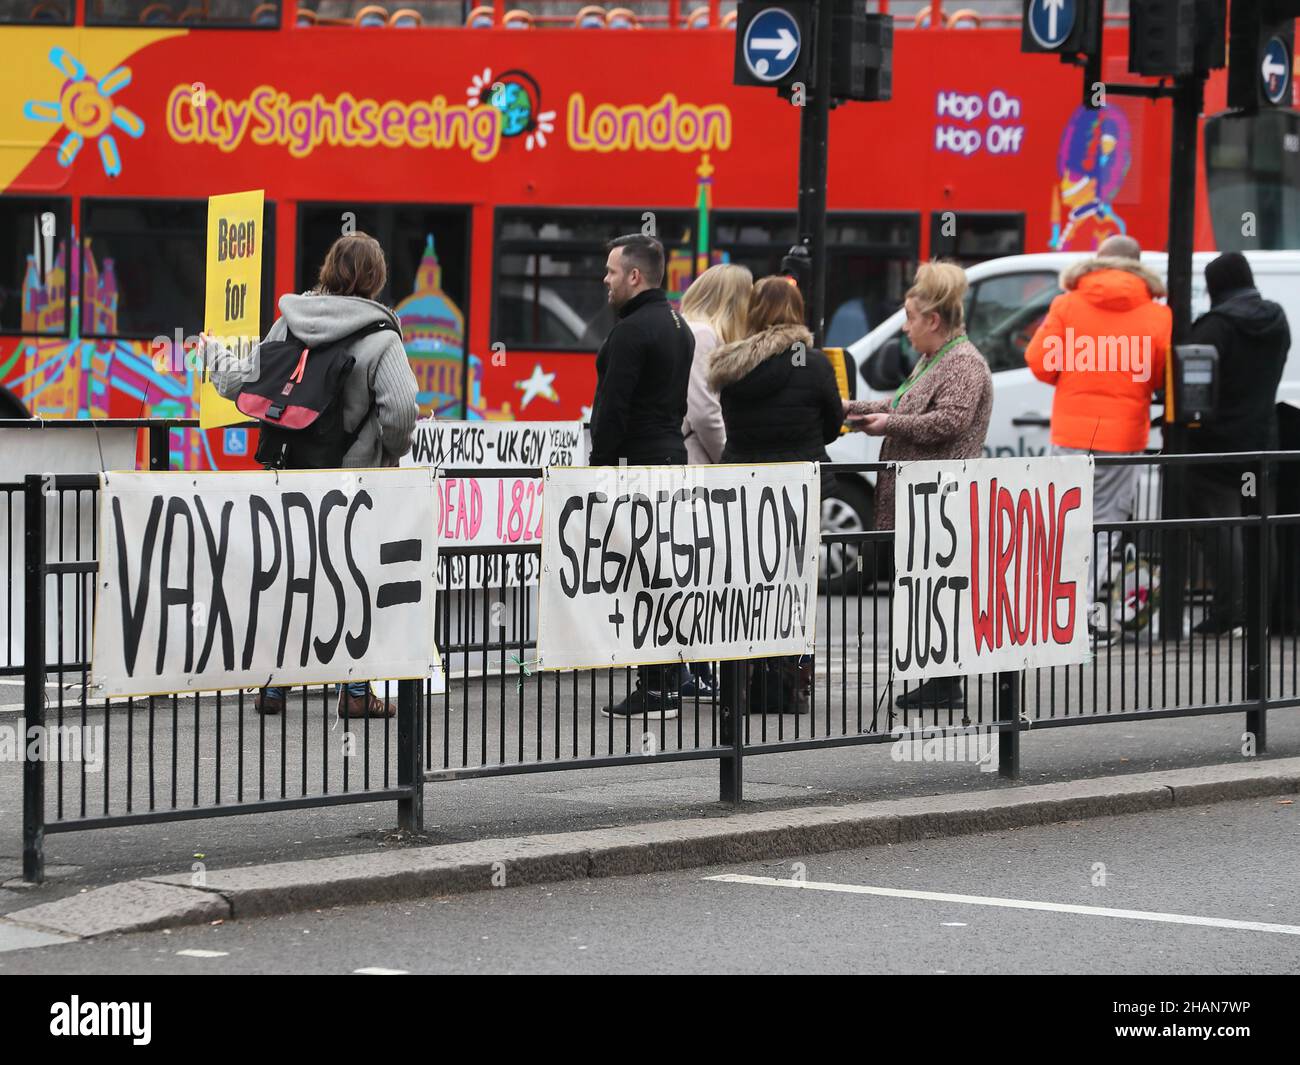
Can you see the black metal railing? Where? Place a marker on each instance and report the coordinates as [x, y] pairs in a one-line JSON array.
[[492, 713]]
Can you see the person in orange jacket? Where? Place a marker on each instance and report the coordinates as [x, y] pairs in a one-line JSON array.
[[1103, 347]]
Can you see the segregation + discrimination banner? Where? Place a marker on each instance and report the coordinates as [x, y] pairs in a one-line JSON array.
[[492, 511], [991, 565], [646, 564], [213, 581]]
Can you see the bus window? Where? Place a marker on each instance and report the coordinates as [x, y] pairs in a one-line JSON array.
[[143, 267], [37, 12], [1252, 172], [427, 249], [870, 260], [33, 266], [549, 271], [1003, 312], [246, 14], [970, 237], [400, 14]]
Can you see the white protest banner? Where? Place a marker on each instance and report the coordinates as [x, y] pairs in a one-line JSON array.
[[68, 528], [223, 580], [991, 564], [492, 511], [500, 444], [646, 564]]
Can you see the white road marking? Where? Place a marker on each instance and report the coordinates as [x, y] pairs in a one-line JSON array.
[[374, 970], [1015, 904], [195, 953]]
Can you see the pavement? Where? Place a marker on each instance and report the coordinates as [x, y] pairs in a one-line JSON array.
[[203, 896]]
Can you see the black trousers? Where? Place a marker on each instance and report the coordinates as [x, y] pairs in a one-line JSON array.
[[658, 678], [1222, 492]]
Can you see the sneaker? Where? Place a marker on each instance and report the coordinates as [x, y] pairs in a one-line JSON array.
[[269, 705], [642, 702], [1212, 626], [693, 686], [368, 705], [939, 692]]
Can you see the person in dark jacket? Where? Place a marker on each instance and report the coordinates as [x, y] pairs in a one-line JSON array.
[[780, 403], [644, 366], [1252, 338], [642, 372]]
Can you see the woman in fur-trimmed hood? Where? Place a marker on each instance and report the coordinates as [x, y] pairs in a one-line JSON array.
[[780, 402]]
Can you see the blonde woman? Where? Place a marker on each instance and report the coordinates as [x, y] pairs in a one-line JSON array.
[[715, 307], [940, 412]]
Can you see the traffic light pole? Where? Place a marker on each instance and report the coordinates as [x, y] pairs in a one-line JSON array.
[[1187, 101], [814, 135]]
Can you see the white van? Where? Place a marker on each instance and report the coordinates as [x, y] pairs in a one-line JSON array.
[[1008, 298]]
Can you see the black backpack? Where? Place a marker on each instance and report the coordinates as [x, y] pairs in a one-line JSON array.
[[297, 398]]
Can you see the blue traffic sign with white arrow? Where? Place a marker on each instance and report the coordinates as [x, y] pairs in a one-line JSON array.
[[1275, 70], [1051, 21], [772, 43]]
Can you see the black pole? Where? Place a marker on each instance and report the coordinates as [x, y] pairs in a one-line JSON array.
[[1009, 713], [410, 754], [1187, 96], [814, 130], [734, 707], [34, 676]]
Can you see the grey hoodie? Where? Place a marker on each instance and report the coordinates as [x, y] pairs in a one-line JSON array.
[[380, 393]]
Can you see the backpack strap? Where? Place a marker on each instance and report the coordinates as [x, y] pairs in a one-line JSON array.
[[366, 330]]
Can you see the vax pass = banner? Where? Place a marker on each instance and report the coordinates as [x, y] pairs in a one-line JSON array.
[[223, 580], [647, 564], [991, 563]]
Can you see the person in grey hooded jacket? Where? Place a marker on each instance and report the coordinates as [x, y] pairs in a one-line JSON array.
[[379, 396]]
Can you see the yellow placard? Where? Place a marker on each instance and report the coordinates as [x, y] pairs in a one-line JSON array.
[[233, 307]]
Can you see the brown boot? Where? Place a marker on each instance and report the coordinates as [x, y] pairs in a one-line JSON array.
[[368, 705], [269, 705]]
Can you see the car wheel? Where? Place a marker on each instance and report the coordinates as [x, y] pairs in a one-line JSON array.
[[847, 509]]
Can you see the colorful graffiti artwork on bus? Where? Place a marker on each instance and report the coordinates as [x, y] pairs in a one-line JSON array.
[[1092, 163], [433, 330], [59, 373], [518, 96], [85, 108]]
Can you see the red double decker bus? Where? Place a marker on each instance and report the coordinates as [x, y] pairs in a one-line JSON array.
[[493, 151]]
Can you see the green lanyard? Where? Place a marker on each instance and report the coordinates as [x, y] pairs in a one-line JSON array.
[[915, 376]]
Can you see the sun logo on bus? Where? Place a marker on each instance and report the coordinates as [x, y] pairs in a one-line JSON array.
[[518, 97], [85, 108]]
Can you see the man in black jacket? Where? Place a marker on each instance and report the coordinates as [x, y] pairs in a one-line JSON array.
[[642, 372], [644, 365], [1252, 338]]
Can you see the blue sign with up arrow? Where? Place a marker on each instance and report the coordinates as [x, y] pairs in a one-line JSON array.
[[1052, 21], [772, 43], [1275, 71]]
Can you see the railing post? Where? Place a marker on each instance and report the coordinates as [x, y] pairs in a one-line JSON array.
[[1009, 738], [1257, 610], [33, 676], [160, 447], [410, 754], [733, 705]]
